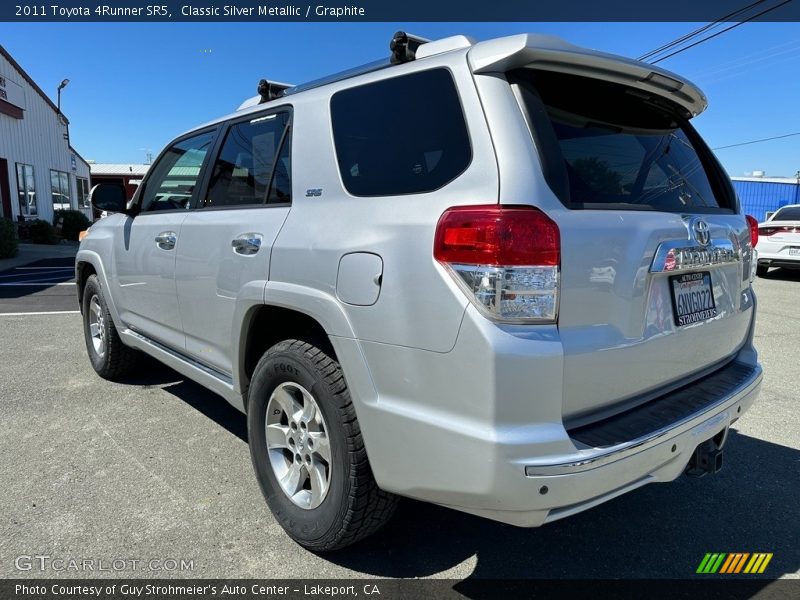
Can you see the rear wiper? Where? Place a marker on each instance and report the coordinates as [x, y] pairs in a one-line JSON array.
[[686, 182]]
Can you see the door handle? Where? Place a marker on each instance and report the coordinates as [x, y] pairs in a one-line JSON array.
[[247, 244], [166, 240]]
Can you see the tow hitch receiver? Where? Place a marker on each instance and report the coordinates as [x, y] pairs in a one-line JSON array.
[[707, 457]]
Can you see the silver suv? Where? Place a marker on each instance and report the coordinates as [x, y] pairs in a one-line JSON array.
[[506, 277]]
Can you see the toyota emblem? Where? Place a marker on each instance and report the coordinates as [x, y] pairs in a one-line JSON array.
[[701, 232]]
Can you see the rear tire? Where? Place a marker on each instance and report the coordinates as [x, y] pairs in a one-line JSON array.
[[110, 358], [761, 270], [322, 504]]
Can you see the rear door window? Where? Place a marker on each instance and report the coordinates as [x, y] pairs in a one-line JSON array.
[[614, 147], [403, 135]]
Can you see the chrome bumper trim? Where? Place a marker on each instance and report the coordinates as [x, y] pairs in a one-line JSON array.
[[585, 460]]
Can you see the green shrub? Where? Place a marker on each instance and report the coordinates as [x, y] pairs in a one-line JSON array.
[[42, 232], [72, 222], [8, 239]]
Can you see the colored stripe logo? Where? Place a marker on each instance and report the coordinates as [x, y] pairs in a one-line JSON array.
[[734, 562]]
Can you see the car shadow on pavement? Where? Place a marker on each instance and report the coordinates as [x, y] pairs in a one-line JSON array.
[[658, 531], [152, 373]]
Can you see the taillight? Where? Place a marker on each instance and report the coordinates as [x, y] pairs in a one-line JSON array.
[[753, 224], [768, 231], [505, 257]]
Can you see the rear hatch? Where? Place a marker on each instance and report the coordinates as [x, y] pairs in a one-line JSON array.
[[779, 238], [654, 256]]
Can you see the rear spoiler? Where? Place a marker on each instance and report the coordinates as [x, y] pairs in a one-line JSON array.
[[551, 53]]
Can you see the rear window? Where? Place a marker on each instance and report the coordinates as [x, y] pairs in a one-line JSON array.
[[614, 147], [404, 135], [790, 213]]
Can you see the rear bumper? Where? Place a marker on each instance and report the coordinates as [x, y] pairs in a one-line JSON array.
[[558, 487], [479, 429], [776, 254], [779, 261]]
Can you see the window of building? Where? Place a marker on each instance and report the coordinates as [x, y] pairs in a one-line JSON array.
[[253, 166], [59, 186], [403, 135], [83, 192], [173, 178], [26, 185]]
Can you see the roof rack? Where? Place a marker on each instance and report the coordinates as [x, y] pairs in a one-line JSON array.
[[403, 47], [269, 90]]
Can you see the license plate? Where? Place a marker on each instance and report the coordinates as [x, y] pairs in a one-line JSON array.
[[692, 298], [794, 251]]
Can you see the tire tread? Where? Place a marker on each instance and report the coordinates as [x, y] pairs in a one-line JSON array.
[[121, 359], [367, 507]]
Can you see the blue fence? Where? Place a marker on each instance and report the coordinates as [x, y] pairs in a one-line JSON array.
[[758, 197]]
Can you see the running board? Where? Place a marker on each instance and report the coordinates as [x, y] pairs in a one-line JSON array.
[[216, 381]]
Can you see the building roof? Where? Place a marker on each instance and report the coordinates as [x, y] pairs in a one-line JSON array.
[[4, 53], [118, 168], [792, 180]]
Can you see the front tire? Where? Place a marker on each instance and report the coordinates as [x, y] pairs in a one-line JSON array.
[[110, 358], [308, 452]]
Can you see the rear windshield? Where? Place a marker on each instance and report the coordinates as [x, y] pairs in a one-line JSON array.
[[610, 146], [790, 213]]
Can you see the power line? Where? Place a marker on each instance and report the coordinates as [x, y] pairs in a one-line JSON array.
[[777, 137], [747, 59], [698, 31], [718, 33]]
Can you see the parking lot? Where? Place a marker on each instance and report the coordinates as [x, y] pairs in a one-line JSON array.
[[156, 467]]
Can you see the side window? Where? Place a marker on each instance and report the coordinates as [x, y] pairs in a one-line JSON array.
[[253, 164], [59, 190], [173, 179], [26, 184], [404, 135], [83, 193]]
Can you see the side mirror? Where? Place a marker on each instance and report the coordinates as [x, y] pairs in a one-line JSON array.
[[110, 197]]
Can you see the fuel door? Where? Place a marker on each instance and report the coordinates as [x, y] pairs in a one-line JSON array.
[[359, 279]]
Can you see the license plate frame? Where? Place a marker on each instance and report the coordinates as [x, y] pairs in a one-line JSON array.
[[794, 251], [692, 298]]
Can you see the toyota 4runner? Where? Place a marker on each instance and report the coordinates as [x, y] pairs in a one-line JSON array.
[[506, 277]]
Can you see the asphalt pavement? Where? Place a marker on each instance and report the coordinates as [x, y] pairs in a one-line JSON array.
[[157, 467], [44, 285]]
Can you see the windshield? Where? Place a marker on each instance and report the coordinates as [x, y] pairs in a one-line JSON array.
[[616, 147]]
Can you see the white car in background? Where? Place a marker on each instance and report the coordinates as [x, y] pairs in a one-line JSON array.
[[779, 240]]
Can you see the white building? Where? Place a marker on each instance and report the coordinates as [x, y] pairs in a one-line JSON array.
[[39, 171]]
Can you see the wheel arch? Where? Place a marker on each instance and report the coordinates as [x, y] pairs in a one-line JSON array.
[[88, 263], [286, 311]]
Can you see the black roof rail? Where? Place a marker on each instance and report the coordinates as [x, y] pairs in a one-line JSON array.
[[403, 47], [341, 76]]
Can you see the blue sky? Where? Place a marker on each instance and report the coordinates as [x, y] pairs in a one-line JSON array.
[[134, 86]]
